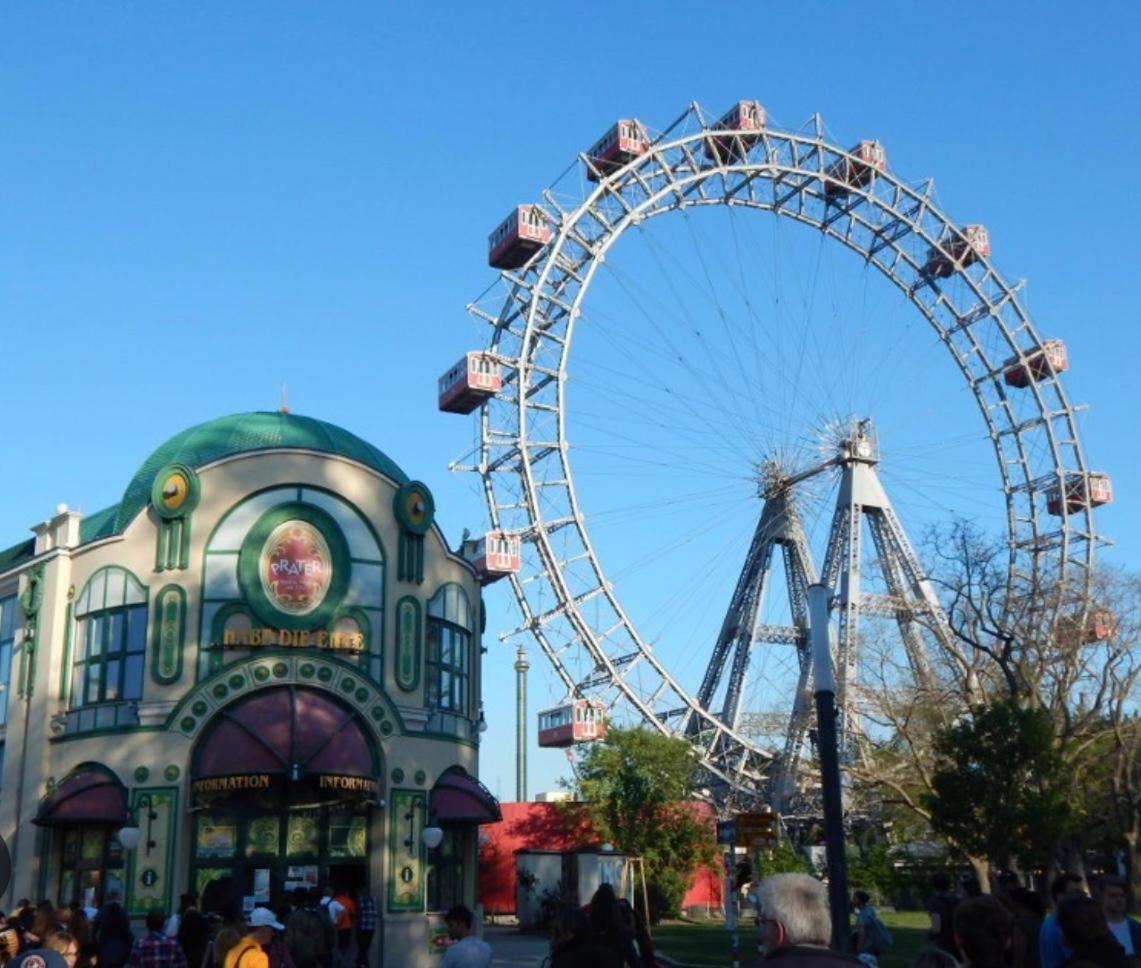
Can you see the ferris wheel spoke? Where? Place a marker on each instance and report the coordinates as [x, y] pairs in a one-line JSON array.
[[712, 359]]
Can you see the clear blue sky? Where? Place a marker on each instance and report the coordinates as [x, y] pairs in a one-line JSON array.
[[199, 202]]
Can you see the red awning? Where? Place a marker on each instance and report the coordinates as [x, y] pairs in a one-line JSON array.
[[459, 799], [292, 731], [88, 796]]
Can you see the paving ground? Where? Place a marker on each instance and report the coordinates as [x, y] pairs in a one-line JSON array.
[[510, 949]]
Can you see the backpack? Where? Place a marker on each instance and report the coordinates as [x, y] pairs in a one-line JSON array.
[[879, 937], [944, 905], [307, 937], [344, 920]]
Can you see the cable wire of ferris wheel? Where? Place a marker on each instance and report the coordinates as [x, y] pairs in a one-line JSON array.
[[808, 368]]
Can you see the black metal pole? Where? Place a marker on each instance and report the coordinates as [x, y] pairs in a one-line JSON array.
[[825, 686]]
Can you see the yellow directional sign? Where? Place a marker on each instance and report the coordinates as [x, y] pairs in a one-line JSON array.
[[757, 829]]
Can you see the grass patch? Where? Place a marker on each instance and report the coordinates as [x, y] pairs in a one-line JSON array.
[[707, 943]]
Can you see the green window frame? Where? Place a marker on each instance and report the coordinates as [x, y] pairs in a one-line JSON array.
[[7, 641], [110, 657], [448, 652], [110, 640]]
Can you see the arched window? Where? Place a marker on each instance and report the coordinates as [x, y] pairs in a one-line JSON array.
[[448, 658], [110, 647]]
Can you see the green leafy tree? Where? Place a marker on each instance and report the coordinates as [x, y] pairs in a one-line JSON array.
[[870, 869], [1000, 790], [781, 859], [1036, 647], [636, 788]]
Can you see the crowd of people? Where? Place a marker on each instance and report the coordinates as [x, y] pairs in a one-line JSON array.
[[1018, 929], [1010, 928], [319, 929], [607, 933]]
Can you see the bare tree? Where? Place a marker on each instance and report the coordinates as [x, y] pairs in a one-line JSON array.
[[1041, 646]]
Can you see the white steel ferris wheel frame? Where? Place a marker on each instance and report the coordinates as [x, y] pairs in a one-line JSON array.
[[566, 602]]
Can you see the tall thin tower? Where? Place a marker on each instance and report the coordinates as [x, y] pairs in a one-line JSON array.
[[521, 667]]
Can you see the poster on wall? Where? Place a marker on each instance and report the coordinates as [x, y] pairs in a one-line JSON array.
[[438, 937], [301, 875], [217, 840], [261, 885]]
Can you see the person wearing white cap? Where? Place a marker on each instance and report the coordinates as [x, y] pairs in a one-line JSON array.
[[248, 953]]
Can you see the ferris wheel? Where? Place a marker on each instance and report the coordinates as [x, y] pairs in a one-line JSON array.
[[710, 348]]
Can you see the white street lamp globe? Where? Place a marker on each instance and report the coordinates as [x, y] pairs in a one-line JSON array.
[[129, 836], [432, 837]]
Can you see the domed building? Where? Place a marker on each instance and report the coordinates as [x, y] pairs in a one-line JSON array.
[[259, 671]]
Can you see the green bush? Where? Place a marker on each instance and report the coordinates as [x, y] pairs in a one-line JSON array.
[[665, 889]]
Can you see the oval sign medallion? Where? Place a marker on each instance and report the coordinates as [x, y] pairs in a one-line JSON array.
[[296, 567]]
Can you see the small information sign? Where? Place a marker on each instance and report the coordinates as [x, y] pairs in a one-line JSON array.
[[757, 829]]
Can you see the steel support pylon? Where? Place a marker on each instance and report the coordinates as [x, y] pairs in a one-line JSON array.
[[779, 526], [909, 601]]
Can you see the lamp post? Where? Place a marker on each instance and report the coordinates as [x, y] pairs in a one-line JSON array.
[[129, 834], [431, 837], [410, 815], [825, 683]]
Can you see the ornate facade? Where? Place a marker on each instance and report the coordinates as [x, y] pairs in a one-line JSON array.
[[267, 658]]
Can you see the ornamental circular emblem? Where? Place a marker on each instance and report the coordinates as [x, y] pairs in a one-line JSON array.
[[175, 491], [414, 507], [296, 567]]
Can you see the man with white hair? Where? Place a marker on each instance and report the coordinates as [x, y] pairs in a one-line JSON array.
[[796, 924]]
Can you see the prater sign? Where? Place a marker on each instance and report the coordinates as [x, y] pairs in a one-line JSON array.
[[296, 567]]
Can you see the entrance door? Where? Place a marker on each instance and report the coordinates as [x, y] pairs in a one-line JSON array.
[[257, 858]]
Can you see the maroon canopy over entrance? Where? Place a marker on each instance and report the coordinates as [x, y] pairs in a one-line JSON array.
[[288, 731], [90, 795], [459, 799]]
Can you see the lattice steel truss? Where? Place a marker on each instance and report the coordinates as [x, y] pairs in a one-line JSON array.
[[910, 600], [562, 592]]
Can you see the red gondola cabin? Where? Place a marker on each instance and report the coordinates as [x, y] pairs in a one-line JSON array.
[[1085, 628], [575, 721], [844, 174], [466, 385], [746, 120], [624, 142], [1091, 489], [519, 236], [495, 555], [1040, 363], [957, 251]]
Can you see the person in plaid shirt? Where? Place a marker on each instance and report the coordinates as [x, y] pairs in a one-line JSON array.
[[156, 950], [366, 926]]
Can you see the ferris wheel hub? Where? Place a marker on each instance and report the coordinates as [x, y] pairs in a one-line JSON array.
[[859, 443]]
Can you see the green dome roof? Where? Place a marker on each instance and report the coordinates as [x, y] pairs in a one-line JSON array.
[[245, 432]]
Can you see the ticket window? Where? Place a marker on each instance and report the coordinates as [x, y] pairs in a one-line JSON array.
[[259, 860], [91, 866]]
